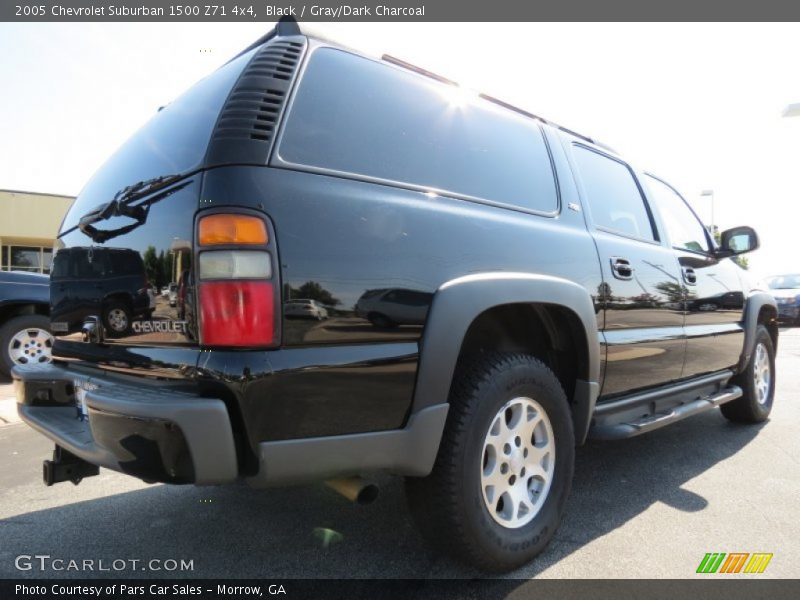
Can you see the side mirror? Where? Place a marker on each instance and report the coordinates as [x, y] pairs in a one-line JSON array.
[[737, 240]]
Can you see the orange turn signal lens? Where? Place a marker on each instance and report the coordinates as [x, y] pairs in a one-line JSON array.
[[231, 229]]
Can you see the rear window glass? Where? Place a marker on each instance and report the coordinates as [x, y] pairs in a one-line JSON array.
[[174, 140], [359, 117]]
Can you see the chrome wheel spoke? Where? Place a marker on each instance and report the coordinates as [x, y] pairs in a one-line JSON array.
[[537, 466], [499, 429], [522, 505]]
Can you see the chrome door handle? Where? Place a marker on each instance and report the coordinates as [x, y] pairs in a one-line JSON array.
[[621, 268], [689, 276]]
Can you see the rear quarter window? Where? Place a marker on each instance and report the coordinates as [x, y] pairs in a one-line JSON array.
[[357, 117]]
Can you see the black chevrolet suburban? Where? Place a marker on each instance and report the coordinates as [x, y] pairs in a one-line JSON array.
[[565, 294], [97, 281]]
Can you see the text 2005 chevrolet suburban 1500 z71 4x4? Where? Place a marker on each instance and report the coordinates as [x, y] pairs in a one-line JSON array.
[[496, 288]]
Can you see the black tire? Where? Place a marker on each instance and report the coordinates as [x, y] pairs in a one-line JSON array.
[[380, 320], [748, 408], [448, 505], [11, 328], [109, 322]]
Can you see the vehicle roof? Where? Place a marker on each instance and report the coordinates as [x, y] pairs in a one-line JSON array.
[[24, 277]]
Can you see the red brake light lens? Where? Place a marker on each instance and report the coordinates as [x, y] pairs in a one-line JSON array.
[[237, 313]]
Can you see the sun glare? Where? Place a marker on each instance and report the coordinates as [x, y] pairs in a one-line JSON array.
[[458, 96]]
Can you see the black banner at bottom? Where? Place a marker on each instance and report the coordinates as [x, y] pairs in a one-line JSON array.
[[386, 589]]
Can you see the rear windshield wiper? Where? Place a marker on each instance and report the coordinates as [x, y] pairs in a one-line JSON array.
[[122, 206]]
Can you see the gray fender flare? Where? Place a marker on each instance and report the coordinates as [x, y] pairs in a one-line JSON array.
[[754, 303], [459, 302]]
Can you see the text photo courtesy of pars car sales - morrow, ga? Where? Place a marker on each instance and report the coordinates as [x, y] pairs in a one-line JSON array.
[[461, 299]]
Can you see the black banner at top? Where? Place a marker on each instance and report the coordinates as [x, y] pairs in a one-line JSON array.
[[397, 10]]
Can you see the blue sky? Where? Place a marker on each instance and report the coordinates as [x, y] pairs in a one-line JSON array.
[[698, 104]]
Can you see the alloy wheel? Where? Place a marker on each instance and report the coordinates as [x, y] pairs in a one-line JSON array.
[[762, 374], [518, 462], [30, 346], [117, 320]]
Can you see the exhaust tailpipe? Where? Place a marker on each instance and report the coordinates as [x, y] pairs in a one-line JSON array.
[[355, 489]]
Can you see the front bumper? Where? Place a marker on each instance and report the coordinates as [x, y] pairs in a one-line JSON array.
[[149, 430], [788, 312]]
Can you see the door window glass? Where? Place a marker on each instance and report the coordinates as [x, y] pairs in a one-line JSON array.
[[684, 229], [613, 195]]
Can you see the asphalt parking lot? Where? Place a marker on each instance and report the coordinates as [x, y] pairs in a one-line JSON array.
[[647, 507]]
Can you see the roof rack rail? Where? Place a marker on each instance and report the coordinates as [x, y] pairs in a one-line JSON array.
[[516, 109], [407, 65], [576, 134], [419, 70]]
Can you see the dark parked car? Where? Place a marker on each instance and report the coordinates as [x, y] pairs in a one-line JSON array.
[[556, 275], [110, 283], [389, 308], [24, 325], [786, 290]]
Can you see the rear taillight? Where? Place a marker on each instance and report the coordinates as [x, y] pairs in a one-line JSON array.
[[236, 313], [235, 264], [231, 229], [236, 291]]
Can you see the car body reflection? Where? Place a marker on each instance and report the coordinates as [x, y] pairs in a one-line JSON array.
[[389, 308]]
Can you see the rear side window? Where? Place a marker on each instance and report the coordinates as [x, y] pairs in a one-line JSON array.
[[616, 203], [77, 264], [126, 263], [358, 117]]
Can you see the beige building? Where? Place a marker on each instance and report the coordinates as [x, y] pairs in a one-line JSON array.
[[29, 223]]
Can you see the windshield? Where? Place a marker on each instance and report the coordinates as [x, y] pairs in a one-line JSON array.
[[784, 282], [173, 141]]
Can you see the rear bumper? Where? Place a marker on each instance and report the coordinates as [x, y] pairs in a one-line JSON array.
[[149, 430], [152, 431]]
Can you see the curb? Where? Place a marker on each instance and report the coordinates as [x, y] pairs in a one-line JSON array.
[[8, 411]]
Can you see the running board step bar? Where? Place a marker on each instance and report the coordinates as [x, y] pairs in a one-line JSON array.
[[649, 423]]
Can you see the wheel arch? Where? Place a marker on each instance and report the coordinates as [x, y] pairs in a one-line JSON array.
[[113, 297], [461, 308], [9, 310], [760, 309]]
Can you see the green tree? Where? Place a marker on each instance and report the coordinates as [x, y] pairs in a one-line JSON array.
[[151, 265], [163, 269], [674, 291], [311, 290]]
